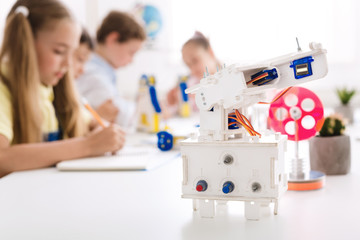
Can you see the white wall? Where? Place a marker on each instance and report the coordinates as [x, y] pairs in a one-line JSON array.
[[5, 7], [240, 31]]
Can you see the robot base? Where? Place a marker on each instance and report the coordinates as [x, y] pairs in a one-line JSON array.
[[253, 209], [234, 170]]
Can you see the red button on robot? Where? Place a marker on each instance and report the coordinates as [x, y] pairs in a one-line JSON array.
[[201, 186]]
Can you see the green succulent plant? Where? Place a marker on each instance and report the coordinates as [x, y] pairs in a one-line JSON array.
[[345, 95], [333, 126]]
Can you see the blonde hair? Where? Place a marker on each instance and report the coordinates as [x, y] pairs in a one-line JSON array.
[[20, 73]]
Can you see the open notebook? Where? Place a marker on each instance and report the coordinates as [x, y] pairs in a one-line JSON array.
[[129, 158]]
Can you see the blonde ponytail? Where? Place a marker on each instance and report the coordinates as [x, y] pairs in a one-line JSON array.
[[68, 108], [18, 60]]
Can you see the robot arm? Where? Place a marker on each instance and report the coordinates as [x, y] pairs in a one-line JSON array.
[[235, 87], [240, 86]]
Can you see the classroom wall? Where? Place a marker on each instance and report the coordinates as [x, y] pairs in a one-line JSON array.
[[240, 32]]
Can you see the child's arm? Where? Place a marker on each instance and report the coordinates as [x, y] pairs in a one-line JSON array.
[[38, 155], [173, 96], [170, 105], [108, 111]]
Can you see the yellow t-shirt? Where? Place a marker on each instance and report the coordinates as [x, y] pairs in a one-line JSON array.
[[50, 122], [6, 123]]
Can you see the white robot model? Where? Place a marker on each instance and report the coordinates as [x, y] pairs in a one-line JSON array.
[[228, 160]]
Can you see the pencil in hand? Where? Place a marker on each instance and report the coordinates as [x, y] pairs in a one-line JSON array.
[[93, 112]]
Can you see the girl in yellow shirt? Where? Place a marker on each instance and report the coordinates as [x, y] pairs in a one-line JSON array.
[[37, 94]]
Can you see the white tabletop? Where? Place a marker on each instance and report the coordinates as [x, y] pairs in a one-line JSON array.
[[49, 204]]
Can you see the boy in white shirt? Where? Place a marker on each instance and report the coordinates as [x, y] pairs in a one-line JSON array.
[[119, 37]]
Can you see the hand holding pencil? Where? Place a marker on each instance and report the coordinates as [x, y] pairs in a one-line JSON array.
[[93, 112], [110, 139]]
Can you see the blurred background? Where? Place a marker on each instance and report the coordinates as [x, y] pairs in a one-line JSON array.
[[239, 31]]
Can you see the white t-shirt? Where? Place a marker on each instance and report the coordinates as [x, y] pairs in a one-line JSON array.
[[98, 84]]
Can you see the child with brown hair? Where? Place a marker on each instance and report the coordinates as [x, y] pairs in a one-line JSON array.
[[81, 56], [38, 101], [82, 53], [119, 37], [198, 56]]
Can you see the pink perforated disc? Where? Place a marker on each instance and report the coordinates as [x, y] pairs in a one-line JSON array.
[[299, 114]]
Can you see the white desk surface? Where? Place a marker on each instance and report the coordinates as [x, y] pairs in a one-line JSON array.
[[49, 204]]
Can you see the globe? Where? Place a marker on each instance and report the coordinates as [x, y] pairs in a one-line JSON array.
[[152, 19]]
